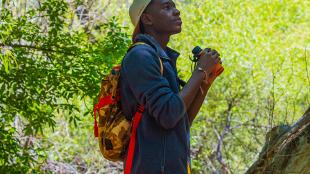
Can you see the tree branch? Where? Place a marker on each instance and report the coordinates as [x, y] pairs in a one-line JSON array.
[[37, 48]]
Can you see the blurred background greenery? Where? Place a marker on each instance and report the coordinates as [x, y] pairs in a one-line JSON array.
[[55, 52]]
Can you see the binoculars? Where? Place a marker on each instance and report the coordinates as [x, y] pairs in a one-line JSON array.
[[198, 52]]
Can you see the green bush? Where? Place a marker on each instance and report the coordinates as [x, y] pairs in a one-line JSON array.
[[45, 62]]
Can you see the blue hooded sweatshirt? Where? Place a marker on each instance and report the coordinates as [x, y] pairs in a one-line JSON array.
[[162, 142]]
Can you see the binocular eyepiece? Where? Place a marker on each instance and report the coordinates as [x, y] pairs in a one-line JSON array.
[[196, 51]]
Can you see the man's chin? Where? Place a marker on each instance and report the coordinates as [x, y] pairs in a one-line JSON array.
[[177, 30]]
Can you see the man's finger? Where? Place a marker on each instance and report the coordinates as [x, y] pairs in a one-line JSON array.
[[208, 50], [216, 56], [217, 60], [215, 52]]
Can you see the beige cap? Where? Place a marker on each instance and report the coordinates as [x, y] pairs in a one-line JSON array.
[[135, 11]]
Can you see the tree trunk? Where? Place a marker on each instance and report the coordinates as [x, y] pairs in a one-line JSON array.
[[287, 150]]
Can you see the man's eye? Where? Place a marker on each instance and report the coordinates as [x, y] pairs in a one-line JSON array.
[[167, 7]]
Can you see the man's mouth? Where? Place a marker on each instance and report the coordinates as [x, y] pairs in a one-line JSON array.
[[178, 21]]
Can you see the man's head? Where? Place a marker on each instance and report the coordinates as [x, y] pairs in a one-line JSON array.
[[159, 16]]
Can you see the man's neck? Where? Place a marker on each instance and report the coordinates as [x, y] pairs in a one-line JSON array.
[[163, 39]]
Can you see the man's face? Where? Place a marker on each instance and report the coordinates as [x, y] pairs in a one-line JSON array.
[[163, 17]]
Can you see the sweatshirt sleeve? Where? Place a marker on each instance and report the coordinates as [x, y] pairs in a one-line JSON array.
[[141, 69]]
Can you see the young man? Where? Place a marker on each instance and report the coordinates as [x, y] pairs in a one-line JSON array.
[[162, 139]]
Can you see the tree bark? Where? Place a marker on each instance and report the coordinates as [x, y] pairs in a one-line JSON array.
[[287, 149]]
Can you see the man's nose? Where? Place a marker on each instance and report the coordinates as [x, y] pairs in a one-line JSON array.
[[176, 12]]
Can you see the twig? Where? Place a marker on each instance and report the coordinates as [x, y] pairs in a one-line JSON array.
[[36, 48], [307, 68]]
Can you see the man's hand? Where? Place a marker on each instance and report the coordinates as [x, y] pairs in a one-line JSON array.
[[207, 82], [208, 60]]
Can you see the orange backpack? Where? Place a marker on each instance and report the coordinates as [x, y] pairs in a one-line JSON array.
[[113, 130]]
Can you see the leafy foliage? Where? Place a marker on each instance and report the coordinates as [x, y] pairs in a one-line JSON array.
[[54, 53], [43, 64], [265, 48]]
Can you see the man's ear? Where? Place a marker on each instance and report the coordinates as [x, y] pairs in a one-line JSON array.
[[146, 19]]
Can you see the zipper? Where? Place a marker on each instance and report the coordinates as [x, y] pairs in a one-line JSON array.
[[162, 169]]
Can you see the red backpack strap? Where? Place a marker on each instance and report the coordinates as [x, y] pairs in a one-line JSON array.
[[132, 143], [102, 102]]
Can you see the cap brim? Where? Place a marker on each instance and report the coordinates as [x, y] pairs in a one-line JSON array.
[[136, 31]]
